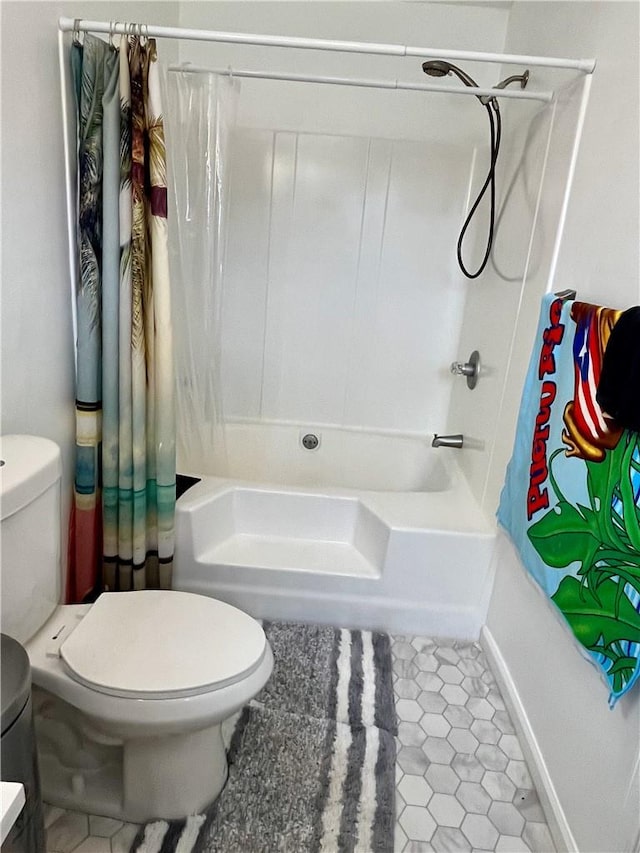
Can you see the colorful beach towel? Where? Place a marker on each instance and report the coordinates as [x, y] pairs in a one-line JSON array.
[[571, 500]]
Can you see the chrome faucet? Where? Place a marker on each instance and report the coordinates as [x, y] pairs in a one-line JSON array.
[[447, 440]]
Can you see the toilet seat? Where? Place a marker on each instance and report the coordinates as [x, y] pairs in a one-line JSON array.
[[160, 644]]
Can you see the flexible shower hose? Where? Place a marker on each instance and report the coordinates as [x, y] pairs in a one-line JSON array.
[[490, 181]]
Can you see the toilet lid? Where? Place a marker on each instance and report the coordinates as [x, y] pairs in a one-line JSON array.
[[157, 644]]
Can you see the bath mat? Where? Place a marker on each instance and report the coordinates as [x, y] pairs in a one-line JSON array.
[[311, 759]]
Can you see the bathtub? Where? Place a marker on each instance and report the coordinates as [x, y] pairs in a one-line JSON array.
[[365, 529]]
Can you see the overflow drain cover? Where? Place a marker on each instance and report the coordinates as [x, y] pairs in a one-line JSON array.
[[310, 441]]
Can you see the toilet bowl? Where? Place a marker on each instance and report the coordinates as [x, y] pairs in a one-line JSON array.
[[130, 692], [136, 686]]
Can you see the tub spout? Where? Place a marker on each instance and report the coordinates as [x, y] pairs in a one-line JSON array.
[[447, 440]]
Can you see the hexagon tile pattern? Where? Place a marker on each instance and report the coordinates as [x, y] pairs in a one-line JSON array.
[[69, 831], [462, 783]]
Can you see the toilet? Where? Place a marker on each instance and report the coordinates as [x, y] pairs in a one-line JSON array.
[[129, 692]]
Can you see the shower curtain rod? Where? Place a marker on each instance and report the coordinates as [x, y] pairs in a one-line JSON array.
[[116, 28], [366, 83]]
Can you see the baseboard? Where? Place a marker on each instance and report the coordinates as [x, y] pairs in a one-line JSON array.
[[556, 818]]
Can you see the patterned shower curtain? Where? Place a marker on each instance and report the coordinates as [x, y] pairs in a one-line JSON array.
[[122, 524]]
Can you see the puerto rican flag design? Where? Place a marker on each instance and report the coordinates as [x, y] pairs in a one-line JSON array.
[[587, 359]]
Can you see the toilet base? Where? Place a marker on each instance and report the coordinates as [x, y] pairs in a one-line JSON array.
[[134, 780], [182, 774]]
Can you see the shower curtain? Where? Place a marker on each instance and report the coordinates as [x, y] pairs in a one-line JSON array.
[[122, 526], [201, 114]]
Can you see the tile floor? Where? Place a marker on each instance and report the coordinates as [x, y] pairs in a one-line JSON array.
[[67, 831], [461, 781]]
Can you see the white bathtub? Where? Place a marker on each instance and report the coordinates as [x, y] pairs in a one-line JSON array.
[[370, 530]]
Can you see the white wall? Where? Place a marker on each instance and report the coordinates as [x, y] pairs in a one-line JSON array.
[[37, 346], [591, 753]]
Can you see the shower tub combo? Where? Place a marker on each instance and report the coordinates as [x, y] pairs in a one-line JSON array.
[[372, 530]]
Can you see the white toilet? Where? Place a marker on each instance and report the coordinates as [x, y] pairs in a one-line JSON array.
[[129, 692]]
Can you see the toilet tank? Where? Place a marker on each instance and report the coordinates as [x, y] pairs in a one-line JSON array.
[[30, 568]]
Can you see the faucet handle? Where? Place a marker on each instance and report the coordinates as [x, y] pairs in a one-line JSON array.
[[470, 369], [462, 368]]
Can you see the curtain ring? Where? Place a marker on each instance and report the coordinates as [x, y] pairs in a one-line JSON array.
[[76, 31], [112, 33]]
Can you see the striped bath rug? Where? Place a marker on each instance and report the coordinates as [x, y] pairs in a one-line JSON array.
[[311, 759]]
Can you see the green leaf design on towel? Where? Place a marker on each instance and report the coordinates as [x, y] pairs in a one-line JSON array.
[[601, 621], [604, 539], [600, 624], [563, 536]]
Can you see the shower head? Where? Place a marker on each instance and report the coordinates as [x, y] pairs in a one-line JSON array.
[[436, 68], [440, 68]]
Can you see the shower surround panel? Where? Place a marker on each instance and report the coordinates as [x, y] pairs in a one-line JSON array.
[[341, 301]]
